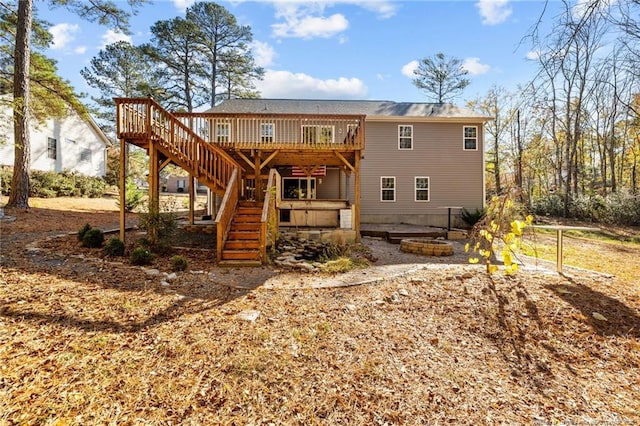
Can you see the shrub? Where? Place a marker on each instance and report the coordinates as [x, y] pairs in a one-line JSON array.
[[471, 218], [141, 256], [133, 197], [93, 238], [114, 247], [83, 231], [179, 263]]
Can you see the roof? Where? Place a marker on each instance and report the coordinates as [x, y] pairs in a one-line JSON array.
[[372, 109]]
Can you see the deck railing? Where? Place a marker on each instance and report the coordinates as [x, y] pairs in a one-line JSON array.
[[269, 218], [226, 211], [278, 131], [144, 120]]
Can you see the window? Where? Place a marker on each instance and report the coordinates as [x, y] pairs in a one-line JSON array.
[[422, 188], [387, 188], [317, 134], [266, 132], [223, 132], [294, 188], [405, 137], [470, 138], [85, 155], [52, 148]]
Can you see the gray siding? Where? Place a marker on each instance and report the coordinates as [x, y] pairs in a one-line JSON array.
[[456, 176]]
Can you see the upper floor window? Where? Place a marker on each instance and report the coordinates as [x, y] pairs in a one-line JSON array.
[[266, 132], [223, 132], [52, 148], [470, 138], [387, 188], [422, 188], [85, 155], [317, 134], [405, 137]]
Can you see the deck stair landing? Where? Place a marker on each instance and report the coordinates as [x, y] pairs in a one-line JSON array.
[[242, 247], [394, 233]]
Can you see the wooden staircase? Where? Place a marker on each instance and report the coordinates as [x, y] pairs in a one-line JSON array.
[[242, 246]]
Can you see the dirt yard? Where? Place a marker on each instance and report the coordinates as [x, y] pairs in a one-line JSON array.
[[89, 340]]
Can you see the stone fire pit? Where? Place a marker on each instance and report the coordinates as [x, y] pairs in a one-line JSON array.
[[426, 247]]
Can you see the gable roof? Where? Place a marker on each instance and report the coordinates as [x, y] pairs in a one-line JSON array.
[[374, 110]]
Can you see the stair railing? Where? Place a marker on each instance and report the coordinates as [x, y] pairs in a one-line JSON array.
[[269, 221], [225, 212]]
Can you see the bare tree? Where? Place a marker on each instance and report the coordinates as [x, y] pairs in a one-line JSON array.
[[441, 77]]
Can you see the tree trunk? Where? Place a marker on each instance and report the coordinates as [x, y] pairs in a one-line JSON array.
[[19, 196]]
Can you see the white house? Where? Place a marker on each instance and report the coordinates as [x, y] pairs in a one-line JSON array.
[[73, 143]]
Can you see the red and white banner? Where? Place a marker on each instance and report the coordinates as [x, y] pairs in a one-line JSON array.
[[300, 171]]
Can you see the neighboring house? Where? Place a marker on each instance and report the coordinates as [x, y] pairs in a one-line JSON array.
[[419, 158], [72, 143], [179, 184]]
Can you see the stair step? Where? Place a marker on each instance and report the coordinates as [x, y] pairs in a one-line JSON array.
[[240, 255], [245, 203], [245, 226], [241, 244], [249, 210], [238, 263], [246, 218], [243, 235]]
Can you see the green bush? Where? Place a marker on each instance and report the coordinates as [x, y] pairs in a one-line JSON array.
[[141, 256], [51, 184], [179, 263], [83, 231], [93, 238], [472, 217], [133, 197], [114, 247]]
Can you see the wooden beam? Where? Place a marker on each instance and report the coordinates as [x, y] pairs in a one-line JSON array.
[[258, 180], [356, 196], [244, 157], [164, 164], [344, 160], [123, 190], [154, 193], [192, 195], [269, 158]]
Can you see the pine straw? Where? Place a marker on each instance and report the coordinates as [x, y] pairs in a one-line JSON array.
[[96, 342]]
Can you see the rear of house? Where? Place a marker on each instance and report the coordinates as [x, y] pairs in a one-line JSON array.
[[421, 161]]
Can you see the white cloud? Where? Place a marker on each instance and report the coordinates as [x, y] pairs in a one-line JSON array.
[[533, 55], [474, 66], [80, 50], [263, 53], [494, 12], [408, 69], [182, 5], [311, 26], [112, 36], [63, 34], [288, 85], [384, 9]]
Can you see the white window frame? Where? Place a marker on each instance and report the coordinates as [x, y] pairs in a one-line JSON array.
[[312, 182], [223, 137], [52, 148], [416, 189], [465, 138], [402, 137], [267, 132], [383, 189], [85, 152], [317, 135]]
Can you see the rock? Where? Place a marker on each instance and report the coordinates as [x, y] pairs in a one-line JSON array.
[[151, 272], [172, 276], [306, 267], [350, 307], [164, 283], [403, 292], [248, 315]]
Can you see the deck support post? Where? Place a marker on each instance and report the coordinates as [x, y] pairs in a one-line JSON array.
[[356, 195], [258, 176], [154, 192], [123, 188], [192, 192]]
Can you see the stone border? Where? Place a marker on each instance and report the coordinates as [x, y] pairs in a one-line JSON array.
[[426, 247]]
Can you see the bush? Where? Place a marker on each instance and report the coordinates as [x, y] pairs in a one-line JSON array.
[[52, 184], [141, 256], [93, 238], [179, 263], [114, 247], [133, 197], [83, 231], [471, 218]]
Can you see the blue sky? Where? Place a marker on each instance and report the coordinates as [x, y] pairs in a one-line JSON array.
[[342, 49]]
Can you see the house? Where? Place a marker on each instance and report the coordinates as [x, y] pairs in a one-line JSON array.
[[73, 143], [314, 163], [420, 160]]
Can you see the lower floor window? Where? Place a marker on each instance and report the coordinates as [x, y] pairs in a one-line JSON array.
[[298, 189], [388, 188], [422, 188]]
